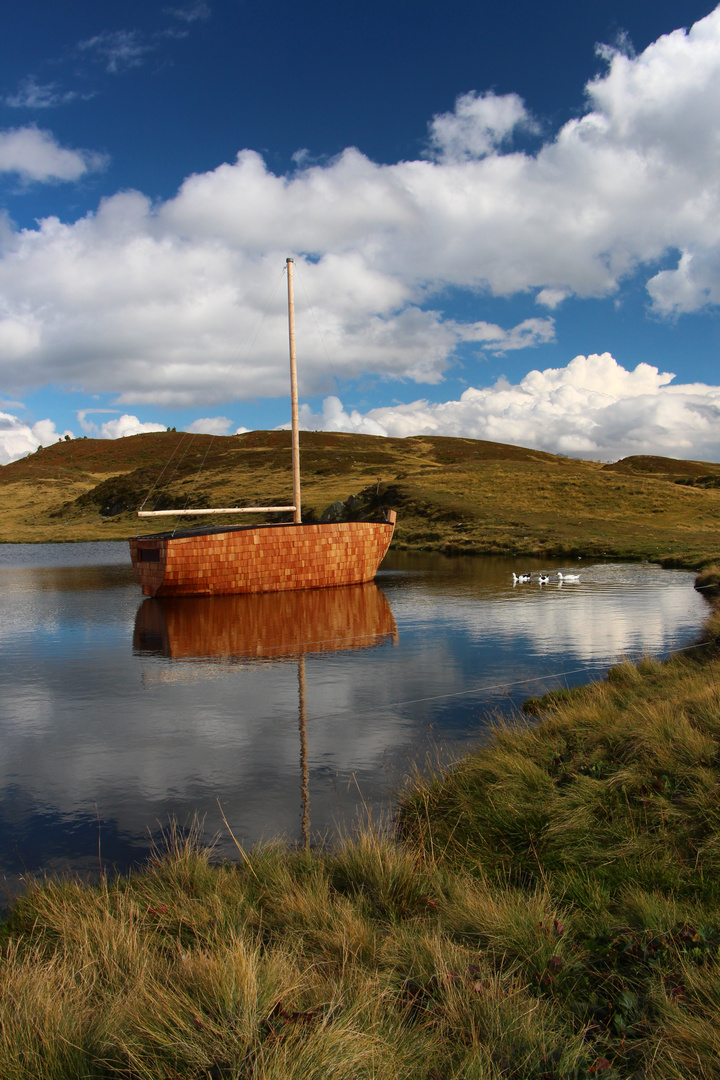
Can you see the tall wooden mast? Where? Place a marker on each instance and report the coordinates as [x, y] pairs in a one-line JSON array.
[[294, 397]]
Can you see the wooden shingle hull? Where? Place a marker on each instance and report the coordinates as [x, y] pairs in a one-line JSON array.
[[260, 559]]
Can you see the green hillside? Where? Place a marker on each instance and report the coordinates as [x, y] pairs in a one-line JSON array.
[[453, 495]]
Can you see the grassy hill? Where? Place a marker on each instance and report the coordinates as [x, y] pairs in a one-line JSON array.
[[453, 495]]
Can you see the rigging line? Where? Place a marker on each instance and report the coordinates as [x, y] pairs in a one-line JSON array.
[[477, 689], [178, 463], [256, 326], [481, 689], [243, 350], [177, 447], [494, 686], [197, 477], [317, 327]]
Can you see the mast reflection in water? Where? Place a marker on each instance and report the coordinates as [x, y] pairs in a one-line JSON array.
[[275, 627], [101, 742]]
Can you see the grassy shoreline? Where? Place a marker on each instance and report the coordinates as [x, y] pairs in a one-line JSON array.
[[549, 907]]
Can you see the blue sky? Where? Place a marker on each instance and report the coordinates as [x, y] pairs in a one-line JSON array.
[[506, 222]]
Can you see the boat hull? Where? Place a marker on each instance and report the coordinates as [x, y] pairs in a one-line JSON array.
[[266, 558]]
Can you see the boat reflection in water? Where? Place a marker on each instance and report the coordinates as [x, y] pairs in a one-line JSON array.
[[278, 627]]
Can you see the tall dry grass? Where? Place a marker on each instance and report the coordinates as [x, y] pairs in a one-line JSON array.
[[292, 966], [548, 909]]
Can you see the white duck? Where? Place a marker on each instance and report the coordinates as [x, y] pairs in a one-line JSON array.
[[520, 579], [568, 577]]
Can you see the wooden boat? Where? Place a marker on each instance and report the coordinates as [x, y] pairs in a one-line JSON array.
[[261, 558]]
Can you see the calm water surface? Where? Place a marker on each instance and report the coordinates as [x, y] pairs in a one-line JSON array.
[[118, 711]]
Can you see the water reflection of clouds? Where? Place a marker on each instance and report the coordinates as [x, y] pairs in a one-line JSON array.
[[88, 723], [28, 709], [585, 621], [43, 603], [136, 747], [350, 695]]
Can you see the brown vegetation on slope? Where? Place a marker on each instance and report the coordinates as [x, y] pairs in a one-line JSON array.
[[453, 495]]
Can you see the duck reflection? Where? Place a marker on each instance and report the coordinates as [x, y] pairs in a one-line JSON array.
[[270, 627]]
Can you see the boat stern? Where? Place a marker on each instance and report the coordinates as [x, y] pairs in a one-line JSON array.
[[149, 559]]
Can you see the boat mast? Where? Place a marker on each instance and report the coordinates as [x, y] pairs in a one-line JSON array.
[[296, 508], [297, 518]]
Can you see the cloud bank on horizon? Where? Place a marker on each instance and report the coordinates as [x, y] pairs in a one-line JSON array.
[[593, 408], [149, 301]]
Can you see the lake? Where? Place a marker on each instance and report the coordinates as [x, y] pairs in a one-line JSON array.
[[291, 712]]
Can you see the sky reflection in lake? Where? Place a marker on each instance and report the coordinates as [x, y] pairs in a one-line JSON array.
[[119, 711]]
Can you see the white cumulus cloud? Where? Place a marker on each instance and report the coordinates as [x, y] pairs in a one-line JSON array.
[[478, 124], [181, 303], [551, 298], [592, 408], [127, 425], [35, 155], [18, 439], [335, 418], [117, 428], [210, 425]]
